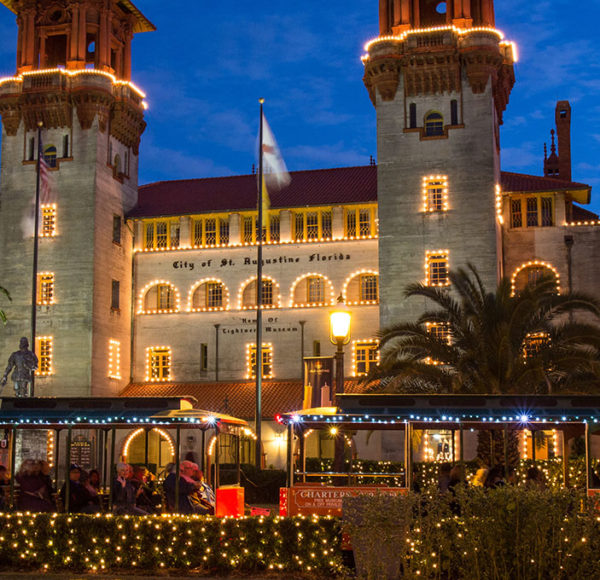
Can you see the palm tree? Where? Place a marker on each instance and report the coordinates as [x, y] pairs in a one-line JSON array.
[[475, 341], [2, 314]]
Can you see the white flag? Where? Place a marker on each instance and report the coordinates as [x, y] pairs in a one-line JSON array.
[[275, 172]]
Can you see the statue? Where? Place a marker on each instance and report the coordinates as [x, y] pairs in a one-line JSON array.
[[24, 362]]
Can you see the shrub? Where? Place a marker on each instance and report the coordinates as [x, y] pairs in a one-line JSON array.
[[200, 543], [504, 534]]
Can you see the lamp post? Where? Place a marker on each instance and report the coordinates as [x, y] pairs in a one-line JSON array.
[[339, 334]]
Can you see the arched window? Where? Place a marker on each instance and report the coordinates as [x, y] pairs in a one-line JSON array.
[[312, 290], [209, 295], [434, 124], [531, 273], [362, 288], [50, 155], [161, 297], [269, 294]]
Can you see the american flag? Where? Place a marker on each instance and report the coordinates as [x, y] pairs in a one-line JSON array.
[[45, 182]]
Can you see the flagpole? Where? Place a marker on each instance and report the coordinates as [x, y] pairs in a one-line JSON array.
[[258, 357], [36, 241]]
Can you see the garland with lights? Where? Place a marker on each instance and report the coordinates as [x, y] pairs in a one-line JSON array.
[[213, 545]]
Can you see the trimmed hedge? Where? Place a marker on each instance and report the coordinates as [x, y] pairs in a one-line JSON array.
[[204, 544], [503, 534]]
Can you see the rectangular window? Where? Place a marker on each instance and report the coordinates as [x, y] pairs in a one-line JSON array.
[[267, 293], [546, 211], [412, 112], [203, 357], [315, 290], [532, 212], [359, 222], [326, 230], [116, 235], [65, 146], [43, 350], [164, 297], [534, 343], [31, 149], [366, 355], [369, 291], [48, 229], [248, 230], [312, 225], [161, 234], [274, 228], [267, 361], [516, 216], [454, 112], [316, 348], [158, 360], [45, 289], [115, 297], [439, 330], [436, 269], [223, 232], [114, 359], [214, 295], [210, 232], [435, 193], [299, 227]]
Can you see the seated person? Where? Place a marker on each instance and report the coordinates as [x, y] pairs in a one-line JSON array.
[[205, 492], [80, 500], [146, 498], [124, 494], [34, 495], [188, 498]]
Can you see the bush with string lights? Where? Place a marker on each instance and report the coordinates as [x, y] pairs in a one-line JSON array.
[[105, 542]]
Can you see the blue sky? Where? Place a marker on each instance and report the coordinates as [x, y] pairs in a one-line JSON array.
[[208, 63]]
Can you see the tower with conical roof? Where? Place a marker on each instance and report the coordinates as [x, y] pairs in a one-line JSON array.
[[73, 78], [439, 76]]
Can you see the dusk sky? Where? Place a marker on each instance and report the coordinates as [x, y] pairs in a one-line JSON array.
[[207, 64]]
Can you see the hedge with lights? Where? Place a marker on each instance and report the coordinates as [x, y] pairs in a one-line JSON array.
[[509, 532], [205, 544]]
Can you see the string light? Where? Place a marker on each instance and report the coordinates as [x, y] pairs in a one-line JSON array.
[[295, 301], [439, 257], [142, 298], [161, 432], [114, 359], [276, 298], [435, 193], [50, 447], [45, 347], [499, 215], [533, 264], [74, 73], [350, 280], [205, 308], [158, 364]]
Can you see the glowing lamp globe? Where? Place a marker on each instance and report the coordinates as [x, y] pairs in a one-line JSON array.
[[339, 323]]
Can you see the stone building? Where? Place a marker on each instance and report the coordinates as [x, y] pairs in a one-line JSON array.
[[152, 290]]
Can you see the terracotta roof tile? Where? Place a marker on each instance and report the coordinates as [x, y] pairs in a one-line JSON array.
[[222, 194], [236, 398], [517, 182], [307, 188]]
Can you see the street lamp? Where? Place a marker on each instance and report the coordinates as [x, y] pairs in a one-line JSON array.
[[339, 334]]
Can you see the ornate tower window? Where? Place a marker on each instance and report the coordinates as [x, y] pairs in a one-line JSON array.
[[435, 193], [48, 220], [114, 359], [267, 361], [45, 285], [44, 349], [434, 124], [158, 364], [436, 268], [365, 355]]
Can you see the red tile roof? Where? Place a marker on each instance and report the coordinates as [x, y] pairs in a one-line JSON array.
[[307, 188], [237, 398], [518, 182], [223, 194]]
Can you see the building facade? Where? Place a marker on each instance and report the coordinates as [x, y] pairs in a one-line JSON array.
[[152, 290]]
